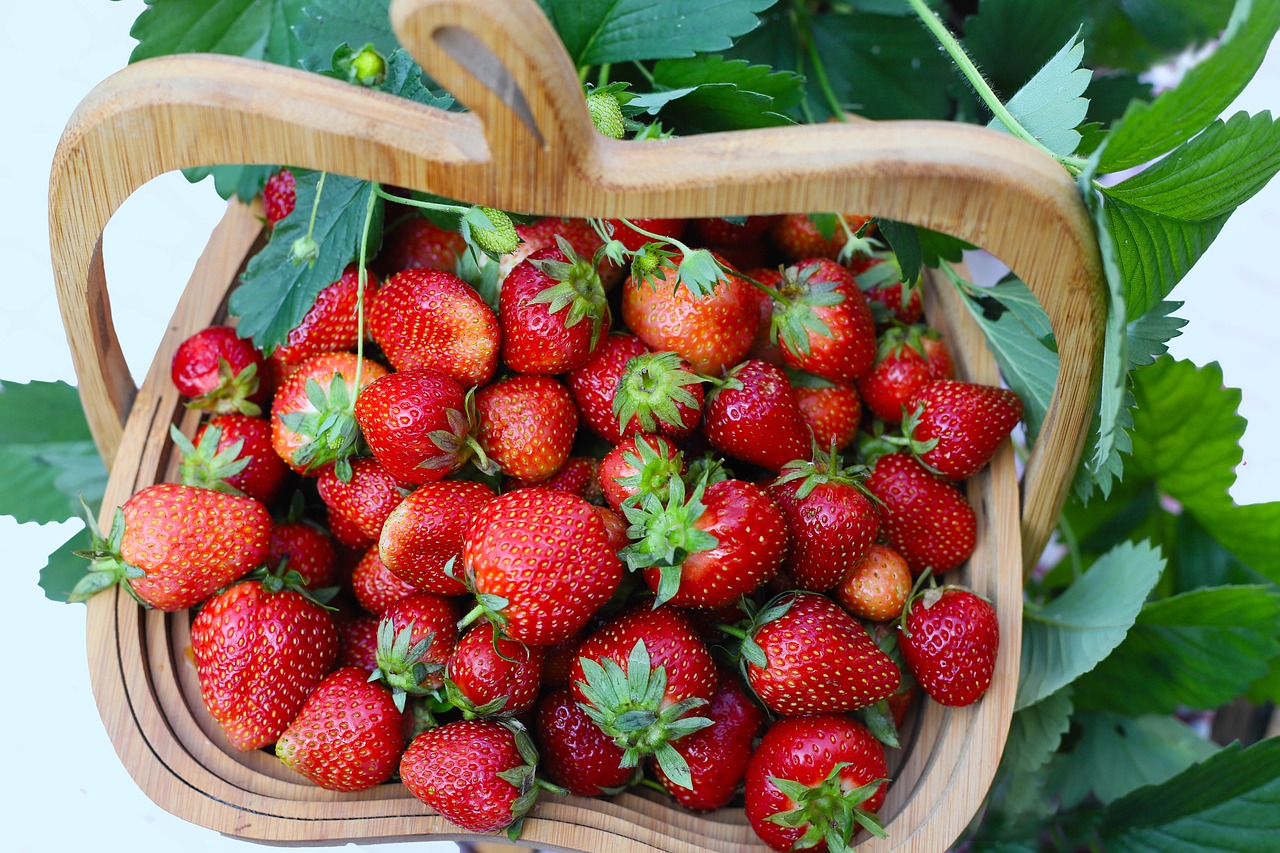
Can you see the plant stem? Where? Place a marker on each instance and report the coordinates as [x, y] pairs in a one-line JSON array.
[[315, 205], [459, 209], [819, 70], [602, 79], [361, 279]]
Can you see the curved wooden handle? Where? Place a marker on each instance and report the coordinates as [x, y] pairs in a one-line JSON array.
[[174, 112]]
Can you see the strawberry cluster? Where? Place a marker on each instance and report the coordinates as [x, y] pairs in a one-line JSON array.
[[693, 549]]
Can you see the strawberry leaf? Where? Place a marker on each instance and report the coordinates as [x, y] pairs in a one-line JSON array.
[[66, 568], [257, 29], [243, 182], [1050, 105], [327, 24], [1035, 733], [905, 243], [711, 93]]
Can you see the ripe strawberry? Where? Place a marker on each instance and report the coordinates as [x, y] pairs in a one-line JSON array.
[[949, 638], [721, 544], [313, 422], [415, 639], [657, 392], [644, 463], [221, 371], [173, 546], [419, 424], [577, 476], [304, 549], [763, 346], [831, 519], [279, 196], [553, 312], [526, 425], [232, 453], [716, 231], [813, 781], [799, 237], [488, 674], [711, 331], [649, 663], [594, 385], [375, 587], [823, 323], [546, 234], [418, 243], [876, 586], [575, 753], [349, 536], [260, 649], [832, 412], [955, 427], [358, 640], [805, 655], [752, 415], [717, 755], [542, 564], [332, 323], [628, 236], [478, 774], [891, 299], [615, 528], [366, 498], [924, 517], [433, 319], [908, 357], [421, 541], [348, 736]]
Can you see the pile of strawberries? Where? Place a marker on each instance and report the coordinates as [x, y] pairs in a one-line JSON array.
[[574, 553]]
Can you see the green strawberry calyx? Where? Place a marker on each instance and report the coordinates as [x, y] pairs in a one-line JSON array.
[[458, 443], [577, 289], [232, 392], [655, 465], [332, 433], [825, 469], [206, 467], [664, 535], [524, 778], [794, 319], [107, 568], [653, 388], [400, 661], [627, 705], [828, 811]]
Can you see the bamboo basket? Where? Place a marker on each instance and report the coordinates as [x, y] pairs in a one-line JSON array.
[[528, 145]]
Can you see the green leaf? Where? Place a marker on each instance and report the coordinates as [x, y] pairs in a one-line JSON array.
[[1137, 35], [404, 79], [1199, 649], [47, 455], [1251, 532], [326, 25], [1149, 335], [1111, 93], [600, 31], [1198, 560], [1036, 731], [243, 181], [257, 29], [719, 94], [1069, 636], [276, 293], [1012, 39], [1148, 130], [1230, 801], [1050, 105], [1113, 756], [905, 243], [65, 569]]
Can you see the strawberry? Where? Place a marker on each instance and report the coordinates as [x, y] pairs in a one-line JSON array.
[[806, 655], [615, 528], [553, 312], [633, 239], [577, 476], [279, 196], [358, 640], [331, 324], [955, 427], [721, 544], [876, 587], [763, 346], [823, 323], [949, 638], [752, 415], [813, 781], [711, 331], [173, 546], [925, 518], [717, 755], [260, 649], [232, 453], [594, 385], [221, 371], [415, 639], [526, 425], [644, 463], [892, 300], [433, 319], [348, 736], [488, 674], [313, 422], [478, 774], [418, 243], [716, 231], [575, 752], [366, 498], [541, 564], [421, 541], [832, 413], [908, 357], [375, 587], [305, 549], [640, 676], [347, 533], [419, 424], [799, 237]]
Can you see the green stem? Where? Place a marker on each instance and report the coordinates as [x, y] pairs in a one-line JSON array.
[[820, 70], [459, 209], [1072, 542], [602, 79], [980, 85], [644, 72], [315, 205], [361, 279]]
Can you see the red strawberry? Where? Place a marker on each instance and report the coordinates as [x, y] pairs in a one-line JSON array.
[[716, 231], [892, 300], [304, 549], [615, 528], [717, 755], [955, 427], [418, 423], [232, 453], [799, 236], [221, 371], [527, 425], [433, 319], [575, 753], [876, 586], [415, 639], [348, 736], [831, 519], [478, 774], [349, 535], [657, 392], [650, 663], [633, 239], [546, 234], [752, 415], [823, 323], [832, 413], [332, 323], [949, 638], [577, 476], [826, 774], [908, 358], [493, 675], [418, 243], [174, 546], [358, 641], [375, 587], [542, 564], [313, 422], [925, 518], [553, 312], [366, 498], [763, 346], [422, 539], [594, 385], [260, 650], [279, 196], [805, 655], [643, 463]]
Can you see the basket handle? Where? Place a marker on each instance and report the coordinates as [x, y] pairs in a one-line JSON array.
[[173, 112]]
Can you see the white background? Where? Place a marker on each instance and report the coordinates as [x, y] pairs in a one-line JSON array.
[[65, 786]]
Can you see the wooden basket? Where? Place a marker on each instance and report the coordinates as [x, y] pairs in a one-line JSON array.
[[528, 145]]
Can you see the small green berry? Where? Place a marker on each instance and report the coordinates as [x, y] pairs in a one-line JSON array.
[[606, 114], [368, 67], [492, 230]]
